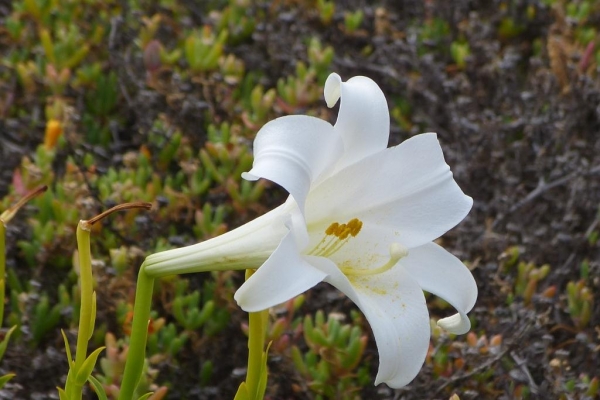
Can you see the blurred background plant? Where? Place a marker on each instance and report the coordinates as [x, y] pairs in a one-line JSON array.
[[109, 102]]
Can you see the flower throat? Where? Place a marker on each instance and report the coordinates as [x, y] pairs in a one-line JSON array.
[[337, 235]]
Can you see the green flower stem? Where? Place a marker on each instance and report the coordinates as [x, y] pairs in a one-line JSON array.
[[81, 368], [139, 333], [257, 322], [87, 288], [73, 388], [2, 269]]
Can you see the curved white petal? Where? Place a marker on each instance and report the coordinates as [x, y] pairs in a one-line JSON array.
[[333, 89], [363, 120], [296, 223], [293, 152], [408, 189], [394, 305], [444, 275], [458, 323], [283, 276]]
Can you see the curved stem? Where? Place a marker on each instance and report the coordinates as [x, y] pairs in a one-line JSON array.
[[136, 354], [73, 388], [12, 210], [120, 207]]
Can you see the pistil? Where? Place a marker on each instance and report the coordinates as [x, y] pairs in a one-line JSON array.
[[397, 252]]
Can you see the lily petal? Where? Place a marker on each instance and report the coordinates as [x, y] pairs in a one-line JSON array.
[[247, 246], [444, 275], [293, 152], [414, 193], [395, 307], [363, 120], [283, 276]]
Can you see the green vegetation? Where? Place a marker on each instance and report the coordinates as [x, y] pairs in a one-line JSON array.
[[111, 102]]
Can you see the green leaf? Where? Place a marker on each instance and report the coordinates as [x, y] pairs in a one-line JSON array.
[[6, 378], [206, 313], [92, 316], [319, 338], [308, 328], [206, 371], [67, 349], [333, 327], [88, 366], [298, 360], [62, 394], [4, 342], [145, 396], [177, 310], [264, 374], [47, 45], [353, 353], [98, 388], [242, 393]]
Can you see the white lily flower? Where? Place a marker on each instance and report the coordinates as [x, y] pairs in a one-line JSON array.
[[360, 216]]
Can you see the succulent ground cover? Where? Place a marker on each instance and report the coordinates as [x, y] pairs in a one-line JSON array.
[[110, 102]]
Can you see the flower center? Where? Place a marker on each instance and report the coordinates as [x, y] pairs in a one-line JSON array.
[[337, 235]]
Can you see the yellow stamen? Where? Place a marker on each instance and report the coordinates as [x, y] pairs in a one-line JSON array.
[[331, 229], [336, 236]]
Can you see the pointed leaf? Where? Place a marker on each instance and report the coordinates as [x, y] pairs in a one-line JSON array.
[[206, 313], [353, 353], [88, 366], [62, 394], [298, 361], [177, 309], [264, 374], [242, 393], [98, 388], [4, 342], [5, 379], [92, 316], [67, 349], [145, 396], [159, 394]]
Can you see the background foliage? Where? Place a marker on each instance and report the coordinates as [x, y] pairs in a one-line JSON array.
[[108, 102]]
